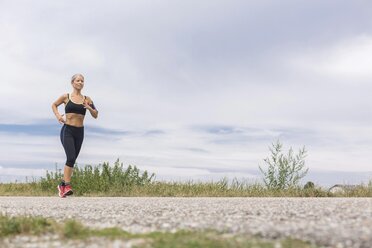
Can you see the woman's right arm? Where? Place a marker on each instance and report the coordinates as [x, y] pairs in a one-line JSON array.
[[55, 105]]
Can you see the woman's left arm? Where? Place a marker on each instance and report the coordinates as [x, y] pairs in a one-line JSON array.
[[90, 106]]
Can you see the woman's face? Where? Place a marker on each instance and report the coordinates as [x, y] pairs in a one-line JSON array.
[[78, 83]]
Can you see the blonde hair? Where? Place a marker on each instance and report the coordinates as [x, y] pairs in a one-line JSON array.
[[75, 76]]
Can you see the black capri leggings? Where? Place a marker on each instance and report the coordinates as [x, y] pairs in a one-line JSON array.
[[72, 139]]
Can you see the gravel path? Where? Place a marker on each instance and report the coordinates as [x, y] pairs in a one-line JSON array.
[[327, 222]]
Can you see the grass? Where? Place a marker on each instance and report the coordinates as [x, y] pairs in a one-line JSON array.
[[72, 229], [106, 180], [24, 225]]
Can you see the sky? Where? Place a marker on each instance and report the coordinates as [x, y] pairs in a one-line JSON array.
[[190, 90]]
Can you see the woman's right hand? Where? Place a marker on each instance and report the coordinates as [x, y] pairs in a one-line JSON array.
[[61, 119]]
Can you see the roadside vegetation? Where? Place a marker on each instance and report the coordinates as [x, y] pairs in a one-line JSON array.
[[10, 227], [281, 176], [107, 180]]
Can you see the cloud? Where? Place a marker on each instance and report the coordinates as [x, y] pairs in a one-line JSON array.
[[347, 60], [198, 150], [49, 129], [20, 173], [154, 132]]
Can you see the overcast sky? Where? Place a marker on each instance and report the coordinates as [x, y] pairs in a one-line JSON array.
[[190, 89]]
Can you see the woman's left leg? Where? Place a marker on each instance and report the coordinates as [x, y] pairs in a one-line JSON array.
[[67, 172], [78, 134], [79, 137]]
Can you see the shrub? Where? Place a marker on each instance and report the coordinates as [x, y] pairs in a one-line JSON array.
[[284, 171], [100, 179], [309, 185]]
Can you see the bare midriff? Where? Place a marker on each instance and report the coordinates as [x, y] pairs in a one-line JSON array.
[[76, 120]]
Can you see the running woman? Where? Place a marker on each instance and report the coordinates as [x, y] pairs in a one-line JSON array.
[[72, 131]]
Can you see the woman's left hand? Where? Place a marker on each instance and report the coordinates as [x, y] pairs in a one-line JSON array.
[[86, 105]]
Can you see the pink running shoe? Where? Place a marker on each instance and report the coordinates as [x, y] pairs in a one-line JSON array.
[[67, 190], [61, 189]]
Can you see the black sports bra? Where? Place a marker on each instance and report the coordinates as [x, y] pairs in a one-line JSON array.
[[72, 107]]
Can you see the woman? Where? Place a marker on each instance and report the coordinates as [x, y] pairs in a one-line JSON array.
[[72, 131]]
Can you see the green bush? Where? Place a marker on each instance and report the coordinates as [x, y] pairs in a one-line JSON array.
[[309, 185], [284, 171], [99, 179]]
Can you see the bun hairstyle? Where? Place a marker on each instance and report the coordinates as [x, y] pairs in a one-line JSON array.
[[75, 76]]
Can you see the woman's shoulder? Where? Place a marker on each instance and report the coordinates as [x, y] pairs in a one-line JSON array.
[[64, 97], [88, 99]]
